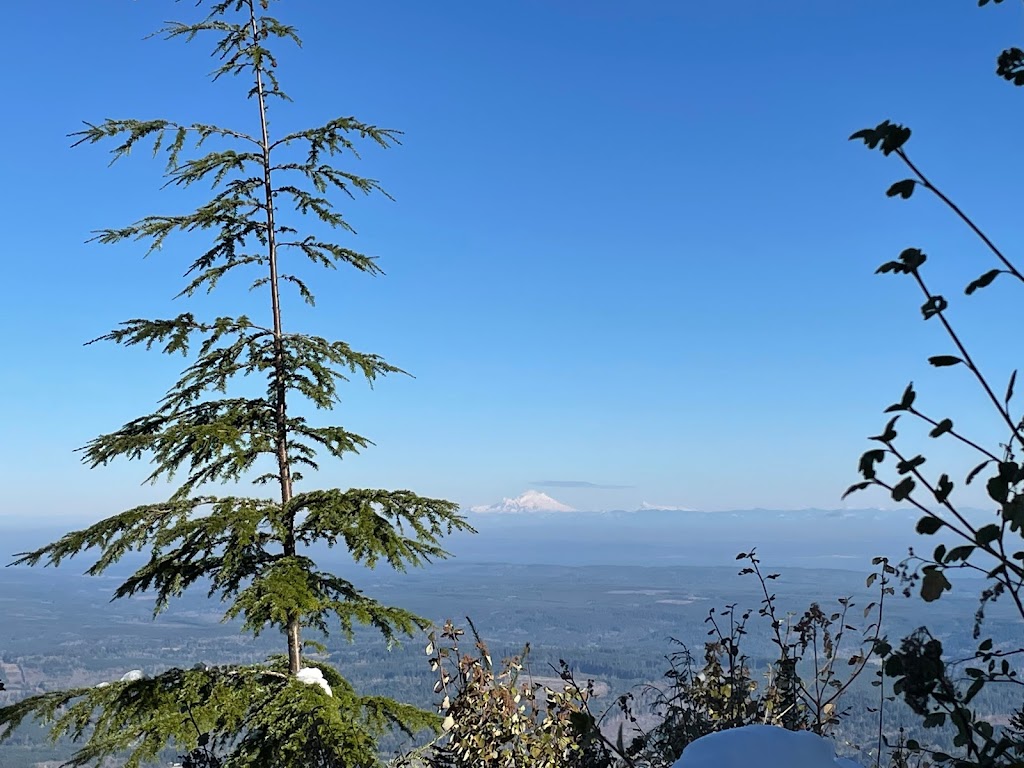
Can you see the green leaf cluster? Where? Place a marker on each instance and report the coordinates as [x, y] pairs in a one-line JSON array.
[[992, 548]]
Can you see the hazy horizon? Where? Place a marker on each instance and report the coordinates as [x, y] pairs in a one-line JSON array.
[[843, 539]]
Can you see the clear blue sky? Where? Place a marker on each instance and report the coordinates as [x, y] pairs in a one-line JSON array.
[[630, 246]]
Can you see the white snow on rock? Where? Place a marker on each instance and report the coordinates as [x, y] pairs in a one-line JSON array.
[[762, 746], [313, 676], [530, 501], [127, 677]]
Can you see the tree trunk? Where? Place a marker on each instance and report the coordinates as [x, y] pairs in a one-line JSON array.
[[294, 629]]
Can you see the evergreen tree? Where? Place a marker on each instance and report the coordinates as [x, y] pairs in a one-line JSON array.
[[253, 553]]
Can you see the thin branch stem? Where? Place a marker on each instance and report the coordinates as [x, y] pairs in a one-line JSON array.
[[968, 361], [963, 216], [922, 508], [953, 433]]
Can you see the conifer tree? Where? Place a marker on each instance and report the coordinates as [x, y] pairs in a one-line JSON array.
[[271, 198]]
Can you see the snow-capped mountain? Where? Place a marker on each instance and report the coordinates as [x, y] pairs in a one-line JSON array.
[[645, 507], [530, 501]]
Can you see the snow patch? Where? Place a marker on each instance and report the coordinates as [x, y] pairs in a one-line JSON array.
[[127, 677], [313, 676], [762, 746]]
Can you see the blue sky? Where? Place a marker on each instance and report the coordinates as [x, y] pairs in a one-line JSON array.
[[630, 243]]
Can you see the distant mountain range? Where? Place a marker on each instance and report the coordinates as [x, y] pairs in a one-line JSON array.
[[533, 501], [536, 528]]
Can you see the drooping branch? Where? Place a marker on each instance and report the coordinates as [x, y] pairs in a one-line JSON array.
[[399, 527]]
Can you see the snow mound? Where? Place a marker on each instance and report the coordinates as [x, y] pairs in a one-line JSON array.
[[762, 746], [313, 676], [131, 677]]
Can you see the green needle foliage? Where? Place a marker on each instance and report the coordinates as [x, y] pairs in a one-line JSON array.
[[252, 553]]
